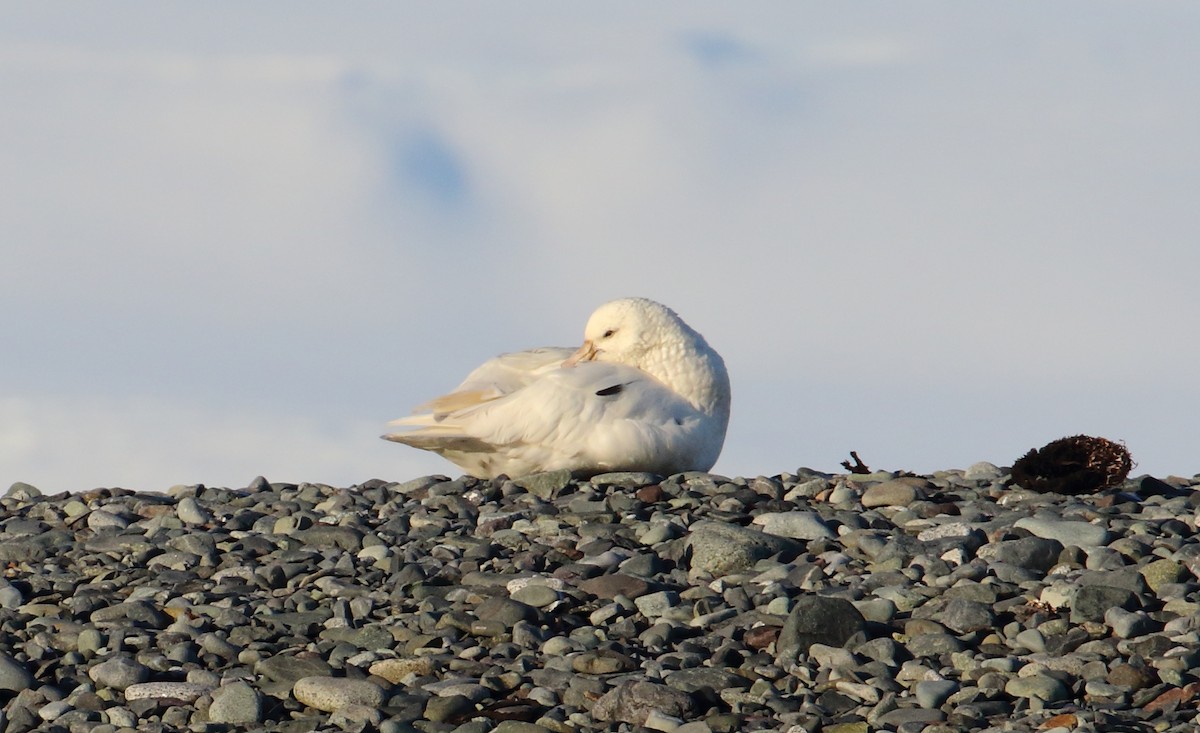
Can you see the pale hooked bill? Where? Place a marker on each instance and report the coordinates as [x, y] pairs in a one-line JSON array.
[[645, 392]]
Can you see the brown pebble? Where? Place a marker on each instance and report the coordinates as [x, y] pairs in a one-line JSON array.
[[150, 511], [761, 637], [1066, 720], [1135, 677], [651, 494], [946, 508], [1173, 698], [615, 584]]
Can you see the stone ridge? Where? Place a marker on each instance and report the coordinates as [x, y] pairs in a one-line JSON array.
[[695, 603]]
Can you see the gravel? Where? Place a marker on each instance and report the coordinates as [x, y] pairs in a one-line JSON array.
[[694, 603]]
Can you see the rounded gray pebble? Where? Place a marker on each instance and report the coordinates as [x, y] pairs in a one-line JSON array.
[[190, 512], [236, 703], [1129, 624], [934, 693], [1077, 534], [119, 673], [1039, 687], [653, 605], [719, 549], [890, 493], [331, 693], [442, 708], [13, 675], [796, 525], [186, 691], [121, 717], [536, 595], [10, 598]]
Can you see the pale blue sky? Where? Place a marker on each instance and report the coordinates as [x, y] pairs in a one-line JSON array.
[[238, 239]]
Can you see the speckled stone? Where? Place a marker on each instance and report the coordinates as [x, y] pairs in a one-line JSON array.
[[894, 493], [186, 691], [236, 703], [633, 701], [396, 670], [719, 549], [795, 525], [331, 693]]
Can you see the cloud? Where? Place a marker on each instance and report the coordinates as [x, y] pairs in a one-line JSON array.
[[168, 176], [940, 237]]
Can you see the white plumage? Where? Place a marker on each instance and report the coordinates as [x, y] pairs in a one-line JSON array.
[[645, 392]]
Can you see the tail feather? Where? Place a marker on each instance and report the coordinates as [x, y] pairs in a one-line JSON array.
[[455, 401], [420, 421], [440, 443]]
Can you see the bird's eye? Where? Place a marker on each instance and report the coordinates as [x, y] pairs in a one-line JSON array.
[[609, 333]]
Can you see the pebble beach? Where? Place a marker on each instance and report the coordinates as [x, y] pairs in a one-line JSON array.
[[802, 602]]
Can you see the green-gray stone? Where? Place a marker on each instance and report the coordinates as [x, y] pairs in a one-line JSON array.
[[545, 485]]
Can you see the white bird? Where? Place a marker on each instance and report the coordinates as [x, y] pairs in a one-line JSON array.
[[644, 392]]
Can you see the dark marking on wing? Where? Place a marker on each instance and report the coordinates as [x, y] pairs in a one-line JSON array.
[[610, 391]]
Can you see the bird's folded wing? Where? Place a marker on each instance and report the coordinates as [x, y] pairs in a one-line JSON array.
[[577, 406], [491, 380]]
